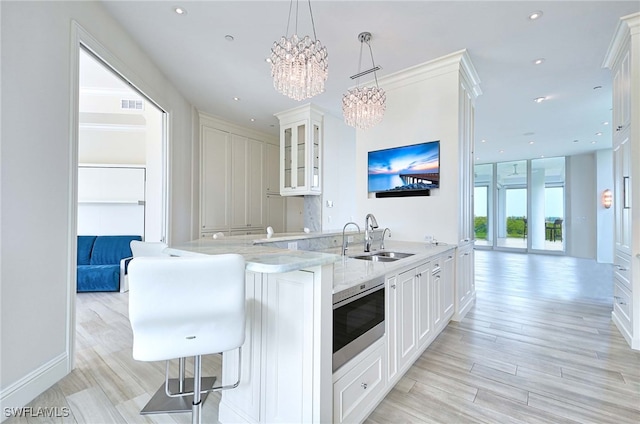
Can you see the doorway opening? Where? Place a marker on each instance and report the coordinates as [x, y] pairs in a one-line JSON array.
[[120, 155]]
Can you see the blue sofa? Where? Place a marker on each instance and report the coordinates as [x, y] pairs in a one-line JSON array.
[[100, 262]]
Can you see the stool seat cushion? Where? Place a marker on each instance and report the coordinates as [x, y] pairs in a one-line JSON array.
[[186, 306]]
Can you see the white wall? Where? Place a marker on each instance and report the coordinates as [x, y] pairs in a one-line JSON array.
[[37, 168], [580, 223], [420, 108], [604, 217], [339, 173]]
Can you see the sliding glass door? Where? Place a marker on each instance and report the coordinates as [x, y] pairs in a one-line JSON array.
[[519, 205]]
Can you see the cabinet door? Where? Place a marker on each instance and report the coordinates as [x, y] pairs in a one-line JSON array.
[[622, 93], [239, 181], [215, 168], [354, 394], [275, 213], [424, 303], [392, 321], [272, 168], [287, 319], [293, 154], [465, 287], [255, 186], [446, 281], [467, 111], [406, 319], [246, 397], [246, 182], [622, 184]]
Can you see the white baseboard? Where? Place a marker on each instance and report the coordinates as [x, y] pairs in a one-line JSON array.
[[33, 384], [634, 343], [459, 315]]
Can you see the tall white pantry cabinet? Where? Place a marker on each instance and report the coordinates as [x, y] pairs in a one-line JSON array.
[[234, 175], [623, 58]]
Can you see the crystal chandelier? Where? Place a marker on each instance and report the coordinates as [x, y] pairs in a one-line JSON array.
[[299, 65], [363, 107]]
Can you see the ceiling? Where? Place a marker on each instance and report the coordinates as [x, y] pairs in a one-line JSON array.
[[572, 37]]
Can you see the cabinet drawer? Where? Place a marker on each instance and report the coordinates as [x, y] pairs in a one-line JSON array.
[[622, 268], [622, 300], [354, 392]]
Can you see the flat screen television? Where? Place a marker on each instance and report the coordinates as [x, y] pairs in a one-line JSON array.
[[405, 170]]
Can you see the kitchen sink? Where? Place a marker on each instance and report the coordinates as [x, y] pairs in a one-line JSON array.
[[384, 256]]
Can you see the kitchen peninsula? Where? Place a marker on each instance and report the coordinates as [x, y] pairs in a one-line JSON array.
[[287, 373]]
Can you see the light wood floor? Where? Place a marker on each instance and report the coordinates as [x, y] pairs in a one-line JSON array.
[[538, 346]]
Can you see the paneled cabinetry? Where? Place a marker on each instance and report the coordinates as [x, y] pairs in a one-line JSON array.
[[623, 58], [300, 151], [419, 305], [465, 286], [234, 170], [247, 173]]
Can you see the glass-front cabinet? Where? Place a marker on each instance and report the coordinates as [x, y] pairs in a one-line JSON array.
[[300, 151]]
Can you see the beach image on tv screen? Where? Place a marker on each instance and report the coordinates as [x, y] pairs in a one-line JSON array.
[[414, 167]]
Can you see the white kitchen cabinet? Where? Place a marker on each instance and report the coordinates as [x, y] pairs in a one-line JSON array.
[[300, 151], [356, 392], [276, 213], [272, 168], [418, 306], [406, 316], [424, 304], [233, 172], [286, 364], [447, 282], [465, 292], [247, 195], [215, 171], [623, 58], [246, 397]]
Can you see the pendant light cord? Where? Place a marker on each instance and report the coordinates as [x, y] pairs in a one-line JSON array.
[[313, 24]]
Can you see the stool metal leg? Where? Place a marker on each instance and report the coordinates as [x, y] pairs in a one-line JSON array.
[[161, 403], [197, 402]]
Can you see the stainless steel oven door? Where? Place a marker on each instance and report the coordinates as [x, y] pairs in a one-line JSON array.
[[357, 322]]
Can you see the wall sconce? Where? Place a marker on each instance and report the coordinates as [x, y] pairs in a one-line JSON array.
[[607, 198]]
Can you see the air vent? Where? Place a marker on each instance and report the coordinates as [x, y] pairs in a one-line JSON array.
[[131, 104]]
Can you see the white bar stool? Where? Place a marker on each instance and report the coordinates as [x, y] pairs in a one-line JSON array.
[[187, 306]]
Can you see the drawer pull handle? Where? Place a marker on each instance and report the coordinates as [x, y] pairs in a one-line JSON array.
[[393, 286], [620, 268], [364, 386]]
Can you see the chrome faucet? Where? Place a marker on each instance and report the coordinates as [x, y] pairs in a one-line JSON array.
[[344, 240], [382, 240], [369, 222]]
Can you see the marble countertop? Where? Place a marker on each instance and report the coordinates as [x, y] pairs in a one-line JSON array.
[[347, 270], [259, 258]]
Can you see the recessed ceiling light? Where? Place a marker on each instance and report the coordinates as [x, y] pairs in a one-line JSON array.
[[541, 156], [179, 10], [268, 60], [575, 141], [228, 37], [535, 15], [253, 119], [501, 151], [539, 99], [477, 158], [598, 133], [236, 99], [605, 123], [593, 142], [483, 141], [539, 61], [531, 142]]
